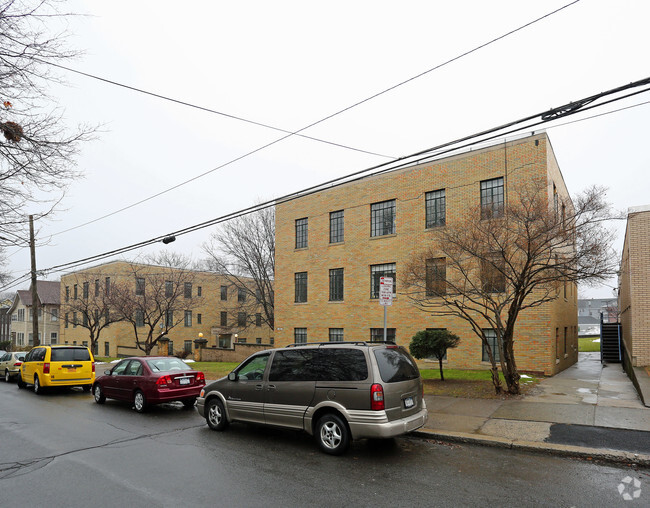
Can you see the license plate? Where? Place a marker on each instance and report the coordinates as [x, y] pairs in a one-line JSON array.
[[409, 402], [72, 370], [184, 381]]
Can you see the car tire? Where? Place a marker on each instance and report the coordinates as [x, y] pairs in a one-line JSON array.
[[189, 403], [21, 384], [332, 434], [7, 376], [98, 393], [215, 414], [38, 389], [139, 401]]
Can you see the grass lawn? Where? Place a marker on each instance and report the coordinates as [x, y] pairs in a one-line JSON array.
[[214, 370], [587, 344], [476, 384]]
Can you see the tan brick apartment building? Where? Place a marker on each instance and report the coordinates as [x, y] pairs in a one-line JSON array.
[[215, 312], [634, 287], [331, 248]]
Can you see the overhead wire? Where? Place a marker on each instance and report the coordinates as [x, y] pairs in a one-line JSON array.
[[289, 133], [405, 161]]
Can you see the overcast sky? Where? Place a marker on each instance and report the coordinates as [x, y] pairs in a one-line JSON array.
[[289, 64]]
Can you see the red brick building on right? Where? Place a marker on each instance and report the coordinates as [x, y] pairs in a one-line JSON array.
[[634, 287]]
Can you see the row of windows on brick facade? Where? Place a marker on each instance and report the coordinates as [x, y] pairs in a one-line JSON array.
[[383, 214], [242, 318], [336, 282], [140, 289], [377, 335], [492, 276]]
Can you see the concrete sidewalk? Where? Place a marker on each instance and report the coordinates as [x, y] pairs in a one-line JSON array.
[[590, 409]]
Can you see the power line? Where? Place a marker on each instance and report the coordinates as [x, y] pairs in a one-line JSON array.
[[423, 156], [289, 133], [210, 110]]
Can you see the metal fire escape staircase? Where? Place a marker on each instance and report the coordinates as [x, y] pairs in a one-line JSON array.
[[610, 342]]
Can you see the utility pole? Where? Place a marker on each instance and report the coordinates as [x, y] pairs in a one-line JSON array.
[[32, 251]]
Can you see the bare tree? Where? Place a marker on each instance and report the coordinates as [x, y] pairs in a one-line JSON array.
[[243, 251], [171, 259], [488, 270], [154, 301], [90, 307], [36, 150], [4, 277]]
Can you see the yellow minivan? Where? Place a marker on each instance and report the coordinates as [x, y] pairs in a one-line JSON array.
[[46, 366]]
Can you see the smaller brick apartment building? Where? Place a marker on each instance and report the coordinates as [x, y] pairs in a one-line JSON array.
[[634, 287], [332, 245], [216, 312]]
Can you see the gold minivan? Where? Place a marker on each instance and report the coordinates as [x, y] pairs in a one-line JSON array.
[[47, 366], [335, 391]]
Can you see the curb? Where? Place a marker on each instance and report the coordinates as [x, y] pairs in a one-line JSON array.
[[603, 454]]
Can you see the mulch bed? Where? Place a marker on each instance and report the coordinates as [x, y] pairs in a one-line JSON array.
[[469, 389]]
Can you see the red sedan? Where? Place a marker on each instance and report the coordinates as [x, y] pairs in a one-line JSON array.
[[147, 380]]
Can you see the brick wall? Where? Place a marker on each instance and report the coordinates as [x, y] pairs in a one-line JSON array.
[[634, 286], [517, 161], [120, 336]]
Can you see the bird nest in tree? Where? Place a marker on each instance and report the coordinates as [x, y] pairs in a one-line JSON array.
[[12, 131]]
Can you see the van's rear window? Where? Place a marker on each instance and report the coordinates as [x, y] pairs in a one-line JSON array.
[[68, 354], [395, 365]]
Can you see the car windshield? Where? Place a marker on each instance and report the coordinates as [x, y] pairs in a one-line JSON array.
[[395, 365], [67, 354], [167, 364]]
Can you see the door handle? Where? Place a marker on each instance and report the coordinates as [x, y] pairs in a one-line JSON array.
[[271, 387], [258, 387]]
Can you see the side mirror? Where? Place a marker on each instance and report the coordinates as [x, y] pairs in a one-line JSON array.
[[107, 372], [232, 376]]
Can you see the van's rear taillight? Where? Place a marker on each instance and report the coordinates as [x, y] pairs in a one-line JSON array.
[[93, 366], [377, 398], [46, 368]]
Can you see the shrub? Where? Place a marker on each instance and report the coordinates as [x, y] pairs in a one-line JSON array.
[[433, 344]]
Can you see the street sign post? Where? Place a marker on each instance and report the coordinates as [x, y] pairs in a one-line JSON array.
[[385, 297]]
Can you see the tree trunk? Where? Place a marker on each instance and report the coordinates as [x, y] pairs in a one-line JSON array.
[[495, 379], [509, 365], [442, 377]]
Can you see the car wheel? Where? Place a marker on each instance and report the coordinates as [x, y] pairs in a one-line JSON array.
[[189, 403], [139, 402], [100, 398], [216, 415], [7, 376], [38, 389], [332, 434], [21, 384]]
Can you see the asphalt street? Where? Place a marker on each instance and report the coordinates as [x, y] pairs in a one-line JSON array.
[[600, 437], [62, 449]]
